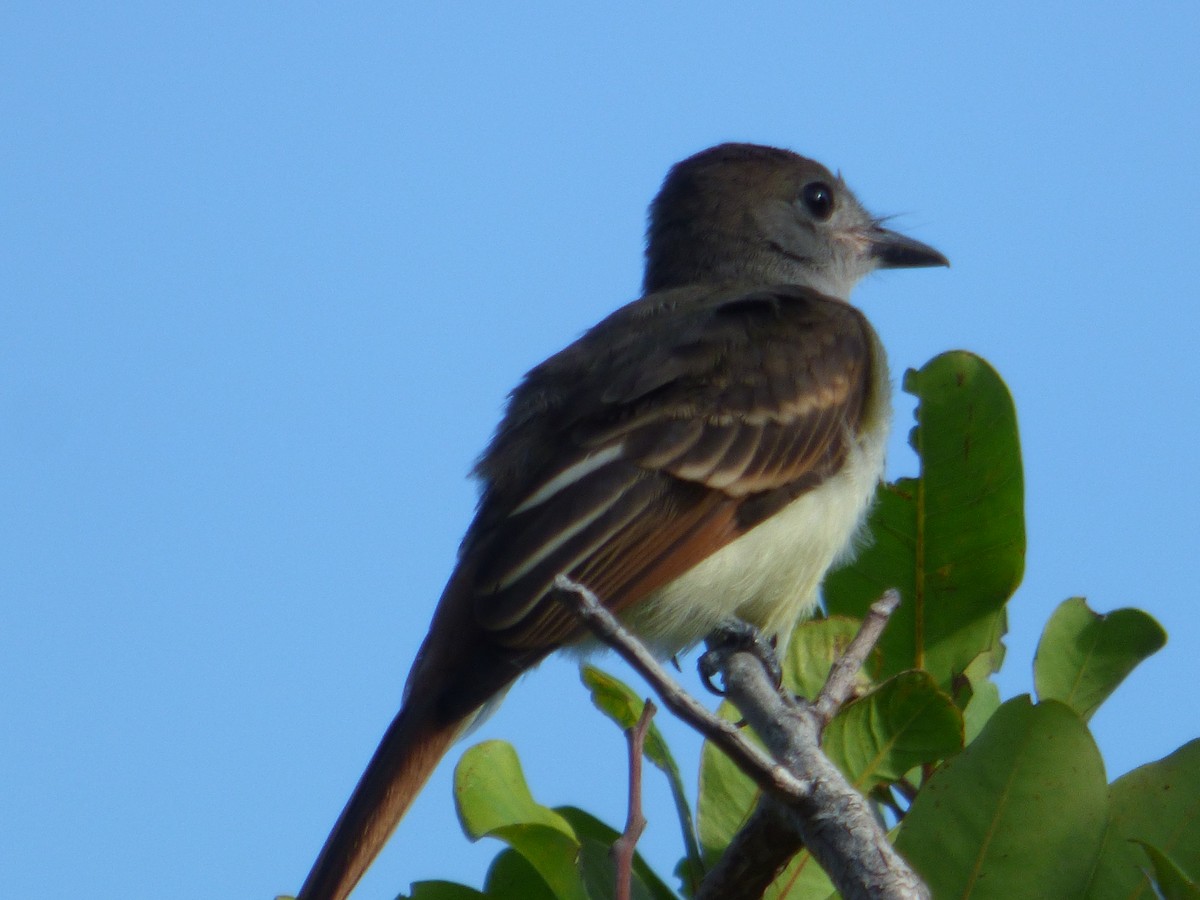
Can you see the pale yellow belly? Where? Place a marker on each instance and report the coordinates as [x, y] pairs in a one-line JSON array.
[[770, 576]]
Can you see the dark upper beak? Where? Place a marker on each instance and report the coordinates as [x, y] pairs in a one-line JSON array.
[[893, 250]]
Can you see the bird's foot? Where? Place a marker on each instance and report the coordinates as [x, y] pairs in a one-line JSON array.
[[735, 636]]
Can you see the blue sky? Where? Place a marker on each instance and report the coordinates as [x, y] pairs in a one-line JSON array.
[[270, 269]]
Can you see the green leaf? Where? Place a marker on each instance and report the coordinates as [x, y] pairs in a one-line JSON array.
[[1171, 882], [618, 701], [493, 800], [1084, 655], [812, 650], [441, 890], [511, 877], [726, 795], [984, 697], [1159, 804], [1019, 813], [953, 540], [597, 839], [801, 879], [903, 723]]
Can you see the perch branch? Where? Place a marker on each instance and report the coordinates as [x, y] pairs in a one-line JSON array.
[[808, 796]]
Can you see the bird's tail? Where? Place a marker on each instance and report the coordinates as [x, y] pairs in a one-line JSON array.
[[410, 750]]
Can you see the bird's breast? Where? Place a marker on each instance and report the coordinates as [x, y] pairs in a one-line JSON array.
[[770, 576]]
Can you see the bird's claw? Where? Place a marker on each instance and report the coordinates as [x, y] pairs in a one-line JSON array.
[[734, 636]]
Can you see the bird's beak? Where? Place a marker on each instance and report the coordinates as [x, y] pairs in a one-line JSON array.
[[892, 250]]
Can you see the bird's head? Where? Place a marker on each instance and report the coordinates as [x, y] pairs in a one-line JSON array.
[[747, 212]]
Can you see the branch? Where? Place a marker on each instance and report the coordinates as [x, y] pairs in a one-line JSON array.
[[635, 823], [766, 773], [833, 820], [809, 799], [839, 684]]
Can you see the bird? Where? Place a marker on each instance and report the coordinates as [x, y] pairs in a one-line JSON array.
[[705, 453]]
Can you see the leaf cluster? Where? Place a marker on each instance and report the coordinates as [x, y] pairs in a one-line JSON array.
[[987, 799]]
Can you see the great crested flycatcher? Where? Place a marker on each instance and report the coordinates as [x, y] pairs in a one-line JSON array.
[[707, 451]]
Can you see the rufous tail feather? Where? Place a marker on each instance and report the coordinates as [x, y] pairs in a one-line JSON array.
[[411, 748]]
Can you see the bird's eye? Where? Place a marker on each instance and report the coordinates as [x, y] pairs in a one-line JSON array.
[[818, 199]]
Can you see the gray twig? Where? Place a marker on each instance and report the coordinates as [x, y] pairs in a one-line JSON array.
[[809, 802]]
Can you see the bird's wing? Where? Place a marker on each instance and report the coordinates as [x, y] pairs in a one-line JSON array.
[[699, 421]]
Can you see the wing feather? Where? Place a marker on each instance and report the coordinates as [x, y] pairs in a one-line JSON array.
[[624, 468]]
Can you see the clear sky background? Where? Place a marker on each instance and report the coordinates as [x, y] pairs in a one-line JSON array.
[[268, 270]]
